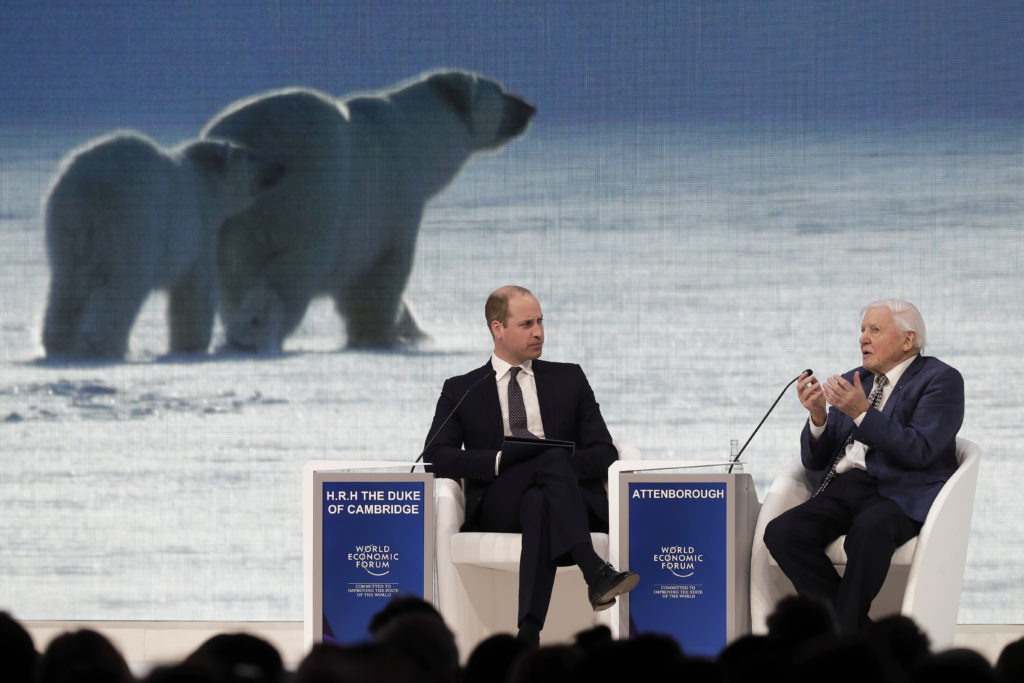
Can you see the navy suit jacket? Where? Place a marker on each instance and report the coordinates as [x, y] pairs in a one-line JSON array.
[[911, 441], [465, 447]]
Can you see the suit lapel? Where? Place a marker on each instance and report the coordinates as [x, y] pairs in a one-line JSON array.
[[490, 404], [897, 391], [544, 396]]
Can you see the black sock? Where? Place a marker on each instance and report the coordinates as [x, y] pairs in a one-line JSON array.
[[587, 560], [529, 629]]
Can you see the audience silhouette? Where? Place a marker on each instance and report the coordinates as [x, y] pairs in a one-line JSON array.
[[799, 621], [492, 658], [1010, 665], [17, 651], [409, 642], [83, 656], [956, 665], [239, 658], [900, 640]]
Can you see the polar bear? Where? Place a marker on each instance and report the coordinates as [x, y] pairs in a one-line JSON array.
[[344, 221], [125, 217]]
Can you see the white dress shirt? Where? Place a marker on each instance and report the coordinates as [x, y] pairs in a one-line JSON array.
[[528, 385]]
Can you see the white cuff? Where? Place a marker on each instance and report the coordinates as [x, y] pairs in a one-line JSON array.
[[816, 431]]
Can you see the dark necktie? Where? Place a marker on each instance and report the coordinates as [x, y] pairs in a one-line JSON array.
[[516, 407], [875, 399]]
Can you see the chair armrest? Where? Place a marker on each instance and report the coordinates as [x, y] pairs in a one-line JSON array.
[[449, 512], [627, 451], [941, 554], [767, 585], [789, 489], [450, 506]]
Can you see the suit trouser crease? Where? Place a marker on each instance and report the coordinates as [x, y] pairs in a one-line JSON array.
[[874, 526], [541, 499]]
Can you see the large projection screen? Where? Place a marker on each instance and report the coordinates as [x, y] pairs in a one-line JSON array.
[[706, 196]]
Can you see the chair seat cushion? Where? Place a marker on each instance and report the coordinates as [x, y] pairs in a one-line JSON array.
[[499, 551], [902, 557]]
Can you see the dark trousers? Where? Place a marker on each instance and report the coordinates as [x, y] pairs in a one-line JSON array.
[[540, 498], [874, 526]]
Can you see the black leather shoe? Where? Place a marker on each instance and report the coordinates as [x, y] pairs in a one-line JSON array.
[[607, 584]]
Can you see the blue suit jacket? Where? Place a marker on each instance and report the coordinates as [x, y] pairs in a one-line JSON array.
[[911, 441], [466, 446]]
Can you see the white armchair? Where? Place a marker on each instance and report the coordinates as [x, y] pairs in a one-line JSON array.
[[926, 573], [478, 576]]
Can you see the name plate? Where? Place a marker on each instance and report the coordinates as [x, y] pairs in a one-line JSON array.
[[373, 540], [680, 535]]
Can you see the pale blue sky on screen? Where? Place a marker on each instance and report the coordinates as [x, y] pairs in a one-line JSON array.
[[124, 62]]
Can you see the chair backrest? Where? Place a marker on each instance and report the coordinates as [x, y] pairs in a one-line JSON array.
[[964, 447], [935, 580], [968, 455]]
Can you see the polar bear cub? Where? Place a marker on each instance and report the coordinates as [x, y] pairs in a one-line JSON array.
[[344, 223], [125, 217]]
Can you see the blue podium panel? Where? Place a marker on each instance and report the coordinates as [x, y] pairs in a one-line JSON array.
[[687, 536], [373, 539]]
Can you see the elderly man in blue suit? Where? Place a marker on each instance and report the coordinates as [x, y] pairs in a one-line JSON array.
[[553, 497], [878, 458]]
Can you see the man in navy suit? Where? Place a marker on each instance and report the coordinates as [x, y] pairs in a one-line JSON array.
[[553, 498], [877, 458]]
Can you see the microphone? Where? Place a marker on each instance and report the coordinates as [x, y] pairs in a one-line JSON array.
[[450, 415], [736, 458]]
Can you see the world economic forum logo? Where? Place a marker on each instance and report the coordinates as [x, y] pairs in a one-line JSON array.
[[681, 560], [375, 560]]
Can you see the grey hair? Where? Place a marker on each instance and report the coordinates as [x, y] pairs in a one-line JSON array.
[[907, 317]]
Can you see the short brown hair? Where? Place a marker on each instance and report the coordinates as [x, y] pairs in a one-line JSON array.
[[496, 307]]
